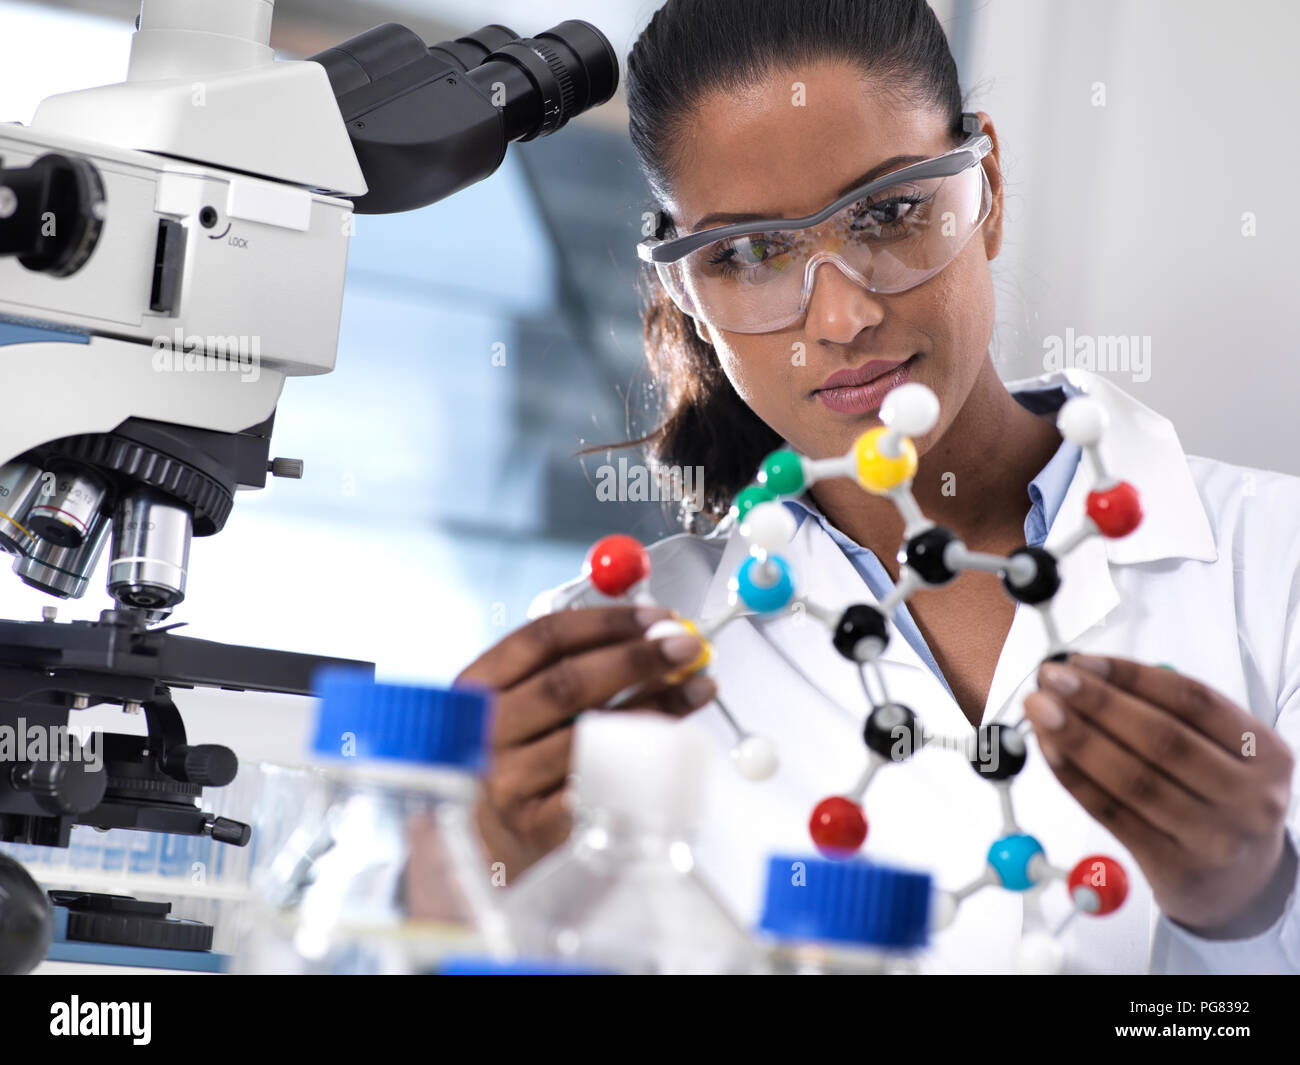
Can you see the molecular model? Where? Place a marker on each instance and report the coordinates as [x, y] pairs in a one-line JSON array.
[[883, 461]]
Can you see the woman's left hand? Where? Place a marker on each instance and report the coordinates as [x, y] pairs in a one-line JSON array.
[[1194, 786]]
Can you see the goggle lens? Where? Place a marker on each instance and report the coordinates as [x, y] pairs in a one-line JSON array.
[[889, 242]]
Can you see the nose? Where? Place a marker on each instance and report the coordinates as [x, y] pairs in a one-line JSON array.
[[839, 307]]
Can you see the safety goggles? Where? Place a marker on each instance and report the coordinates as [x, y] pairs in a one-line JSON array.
[[887, 235]]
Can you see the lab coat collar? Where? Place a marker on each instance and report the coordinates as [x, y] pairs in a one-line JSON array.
[[1140, 446]]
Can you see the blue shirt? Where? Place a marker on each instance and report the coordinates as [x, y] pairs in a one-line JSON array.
[[1046, 493]]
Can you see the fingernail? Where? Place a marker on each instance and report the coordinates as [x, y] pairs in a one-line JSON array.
[[681, 648], [1045, 710], [1092, 663], [648, 615], [1060, 679], [699, 689], [1051, 754]]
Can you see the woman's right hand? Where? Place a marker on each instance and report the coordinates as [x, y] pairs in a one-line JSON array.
[[543, 675]]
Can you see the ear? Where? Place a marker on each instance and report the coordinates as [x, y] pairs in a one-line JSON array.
[[700, 328], [992, 228]]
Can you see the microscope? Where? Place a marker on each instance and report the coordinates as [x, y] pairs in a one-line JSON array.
[[171, 249]]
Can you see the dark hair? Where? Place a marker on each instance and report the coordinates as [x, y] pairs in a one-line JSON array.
[[689, 49]]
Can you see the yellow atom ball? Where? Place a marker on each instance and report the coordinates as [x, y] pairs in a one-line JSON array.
[[877, 472], [706, 656]]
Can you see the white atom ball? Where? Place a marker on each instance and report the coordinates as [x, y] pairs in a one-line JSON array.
[[1082, 421], [769, 526], [868, 649], [910, 409], [1039, 955], [943, 908], [755, 757]]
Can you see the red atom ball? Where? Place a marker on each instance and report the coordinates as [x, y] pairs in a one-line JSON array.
[[838, 827], [1117, 511], [616, 563], [1102, 876]]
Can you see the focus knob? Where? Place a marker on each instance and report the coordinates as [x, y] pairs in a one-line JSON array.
[[26, 920], [65, 188], [285, 468], [226, 830], [206, 764], [63, 787]]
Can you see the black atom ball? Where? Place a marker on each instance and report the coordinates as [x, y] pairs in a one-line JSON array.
[[856, 624], [999, 752], [892, 731], [1046, 580], [924, 555]]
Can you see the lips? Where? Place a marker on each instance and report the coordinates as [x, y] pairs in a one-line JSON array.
[[862, 390], [861, 375]]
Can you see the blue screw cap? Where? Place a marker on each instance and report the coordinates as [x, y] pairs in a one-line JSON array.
[[359, 718], [858, 902], [469, 965]]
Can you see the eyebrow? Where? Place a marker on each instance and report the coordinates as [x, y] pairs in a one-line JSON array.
[[896, 162]]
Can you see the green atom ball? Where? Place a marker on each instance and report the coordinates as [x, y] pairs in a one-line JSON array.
[[782, 472], [748, 498]]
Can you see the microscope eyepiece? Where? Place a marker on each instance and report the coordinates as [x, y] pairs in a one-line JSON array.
[[567, 70], [469, 51], [426, 122]]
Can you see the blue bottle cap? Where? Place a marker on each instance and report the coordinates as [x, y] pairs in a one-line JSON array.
[[858, 902], [468, 965], [359, 718]]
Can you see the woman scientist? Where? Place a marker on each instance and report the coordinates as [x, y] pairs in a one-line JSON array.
[[771, 110]]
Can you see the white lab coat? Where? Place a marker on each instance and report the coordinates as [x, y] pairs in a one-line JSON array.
[[1209, 583]]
